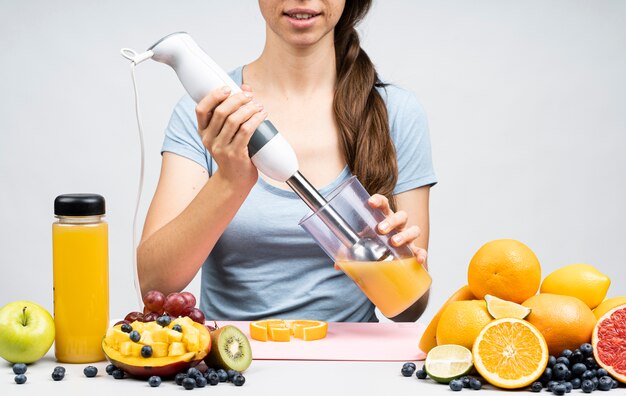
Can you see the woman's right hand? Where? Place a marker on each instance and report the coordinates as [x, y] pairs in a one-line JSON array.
[[225, 124]]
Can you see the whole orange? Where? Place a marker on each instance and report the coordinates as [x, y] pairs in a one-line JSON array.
[[461, 322], [504, 268], [565, 322]]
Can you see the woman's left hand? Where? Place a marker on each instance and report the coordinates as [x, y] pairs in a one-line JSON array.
[[398, 221]]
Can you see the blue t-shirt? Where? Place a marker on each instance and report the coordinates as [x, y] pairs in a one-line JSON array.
[[264, 264]]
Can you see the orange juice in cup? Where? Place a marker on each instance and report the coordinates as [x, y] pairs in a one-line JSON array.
[[395, 282], [392, 285]]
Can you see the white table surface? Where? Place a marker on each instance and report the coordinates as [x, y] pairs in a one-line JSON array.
[[264, 377]]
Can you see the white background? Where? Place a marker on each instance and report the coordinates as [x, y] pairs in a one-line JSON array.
[[526, 102]]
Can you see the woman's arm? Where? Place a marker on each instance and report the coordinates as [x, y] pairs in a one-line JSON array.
[[190, 211], [412, 222]]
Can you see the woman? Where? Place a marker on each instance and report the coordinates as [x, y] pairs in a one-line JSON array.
[[212, 209]]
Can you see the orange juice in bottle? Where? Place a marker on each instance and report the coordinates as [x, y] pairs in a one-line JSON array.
[[392, 285], [81, 277]]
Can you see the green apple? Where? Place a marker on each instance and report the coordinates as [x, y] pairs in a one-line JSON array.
[[26, 332]]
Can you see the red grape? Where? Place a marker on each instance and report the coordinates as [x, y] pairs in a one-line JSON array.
[[174, 304], [150, 317], [196, 315], [190, 300], [154, 301], [133, 316], [121, 322]]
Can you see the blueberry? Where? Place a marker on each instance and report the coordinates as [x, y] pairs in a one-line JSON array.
[[410, 364], [421, 374], [20, 379], [164, 320], [601, 372], [146, 351], [577, 357], [559, 371], [576, 383], [591, 364], [222, 375], [118, 374], [110, 368], [587, 386], [566, 353], [194, 373], [614, 384], [179, 378], [213, 378], [134, 336], [465, 380], [189, 383], [551, 385], [559, 389], [536, 387], [200, 381], [586, 349], [154, 381], [595, 382], [578, 369], [568, 386], [177, 328], [239, 380], [475, 384], [546, 376], [208, 372], [126, 328], [231, 374], [58, 375], [60, 369], [605, 383], [587, 375], [551, 361], [407, 371], [456, 385], [563, 359], [90, 371], [19, 368]]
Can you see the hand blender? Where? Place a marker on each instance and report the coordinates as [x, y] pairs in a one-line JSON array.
[[268, 149]]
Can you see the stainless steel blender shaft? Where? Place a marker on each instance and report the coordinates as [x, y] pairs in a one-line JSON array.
[[362, 249]]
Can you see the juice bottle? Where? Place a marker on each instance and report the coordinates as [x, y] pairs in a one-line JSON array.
[[393, 285], [81, 277]]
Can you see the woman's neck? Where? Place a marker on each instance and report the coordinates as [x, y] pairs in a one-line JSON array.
[[289, 70]]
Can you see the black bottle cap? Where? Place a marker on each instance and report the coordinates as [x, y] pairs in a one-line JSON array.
[[79, 205]]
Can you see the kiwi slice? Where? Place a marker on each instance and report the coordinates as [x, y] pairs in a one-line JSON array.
[[230, 349]]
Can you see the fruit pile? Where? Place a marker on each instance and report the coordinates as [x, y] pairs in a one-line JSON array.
[[169, 338], [515, 336]]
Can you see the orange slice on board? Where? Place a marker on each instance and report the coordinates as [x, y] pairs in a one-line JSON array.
[[282, 330]]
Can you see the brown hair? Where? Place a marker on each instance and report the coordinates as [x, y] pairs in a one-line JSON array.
[[359, 109]]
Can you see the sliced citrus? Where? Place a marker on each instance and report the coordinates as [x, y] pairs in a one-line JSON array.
[[429, 338], [499, 308], [282, 330], [510, 353], [309, 330], [609, 342], [447, 362]]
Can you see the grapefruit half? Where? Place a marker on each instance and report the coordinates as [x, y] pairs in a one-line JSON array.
[[609, 342]]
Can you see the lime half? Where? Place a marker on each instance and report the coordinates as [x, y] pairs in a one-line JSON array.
[[499, 308], [447, 362]]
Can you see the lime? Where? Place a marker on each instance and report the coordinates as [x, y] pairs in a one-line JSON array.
[[499, 308], [447, 362]]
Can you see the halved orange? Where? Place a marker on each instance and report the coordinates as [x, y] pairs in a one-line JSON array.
[[282, 330], [510, 353]]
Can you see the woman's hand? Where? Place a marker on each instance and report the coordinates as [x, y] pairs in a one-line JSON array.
[[225, 124], [398, 221]]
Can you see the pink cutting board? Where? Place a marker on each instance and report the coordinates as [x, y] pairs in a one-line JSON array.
[[345, 341]]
